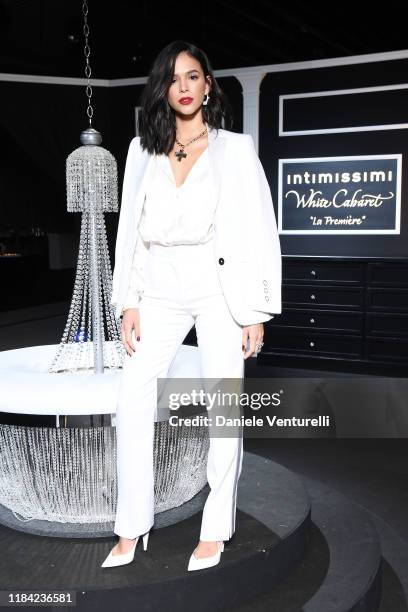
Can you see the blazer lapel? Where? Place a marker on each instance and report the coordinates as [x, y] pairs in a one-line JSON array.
[[216, 151]]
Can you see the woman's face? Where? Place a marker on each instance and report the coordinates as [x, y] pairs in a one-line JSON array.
[[189, 83]]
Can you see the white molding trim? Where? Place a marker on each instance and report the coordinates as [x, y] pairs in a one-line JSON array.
[[128, 82], [249, 77], [137, 112], [52, 80], [320, 63], [339, 92]]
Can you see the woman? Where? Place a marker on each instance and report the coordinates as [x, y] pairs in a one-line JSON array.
[[197, 244]]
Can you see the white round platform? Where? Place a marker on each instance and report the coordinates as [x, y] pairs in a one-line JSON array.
[[28, 388], [67, 475]]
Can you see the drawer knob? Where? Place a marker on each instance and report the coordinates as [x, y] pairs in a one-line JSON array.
[[312, 320], [311, 343], [313, 272], [312, 297]]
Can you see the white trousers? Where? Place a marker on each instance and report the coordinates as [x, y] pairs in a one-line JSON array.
[[182, 288]]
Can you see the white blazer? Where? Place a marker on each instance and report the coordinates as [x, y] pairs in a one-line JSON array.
[[246, 242]]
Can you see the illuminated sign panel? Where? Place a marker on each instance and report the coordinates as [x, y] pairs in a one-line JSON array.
[[340, 195]]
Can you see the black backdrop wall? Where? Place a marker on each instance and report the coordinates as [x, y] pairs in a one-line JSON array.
[[40, 125], [353, 110]]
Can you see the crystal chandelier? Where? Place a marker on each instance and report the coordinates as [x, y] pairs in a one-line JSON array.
[[91, 337]]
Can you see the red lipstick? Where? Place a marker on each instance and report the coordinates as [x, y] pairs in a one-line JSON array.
[[185, 100]]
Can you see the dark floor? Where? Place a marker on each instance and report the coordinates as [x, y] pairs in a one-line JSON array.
[[372, 472]]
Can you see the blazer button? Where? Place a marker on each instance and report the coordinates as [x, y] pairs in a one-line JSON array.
[[221, 261]]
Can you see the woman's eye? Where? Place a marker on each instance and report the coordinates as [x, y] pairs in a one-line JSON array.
[[193, 76]]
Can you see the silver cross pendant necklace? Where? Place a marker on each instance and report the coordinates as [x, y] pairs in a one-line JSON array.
[[180, 154]]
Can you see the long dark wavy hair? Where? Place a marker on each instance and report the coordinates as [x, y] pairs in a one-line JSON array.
[[156, 122]]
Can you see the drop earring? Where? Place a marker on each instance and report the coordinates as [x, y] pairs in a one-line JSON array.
[[205, 101]]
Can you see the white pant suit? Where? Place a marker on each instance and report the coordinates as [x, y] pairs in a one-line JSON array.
[[178, 287]]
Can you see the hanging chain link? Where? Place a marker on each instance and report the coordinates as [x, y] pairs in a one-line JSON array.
[[87, 53]]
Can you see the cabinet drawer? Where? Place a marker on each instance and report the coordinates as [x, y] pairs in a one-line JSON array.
[[334, 320], [387, 324], [384, 273], [387, 299], [319, 271], [387, 349], [329, 345], [348, 297]]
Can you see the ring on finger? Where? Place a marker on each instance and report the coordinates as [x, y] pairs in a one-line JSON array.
[[258, 346]]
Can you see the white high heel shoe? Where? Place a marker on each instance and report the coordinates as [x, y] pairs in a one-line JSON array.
[[196, 564], [115, 560]]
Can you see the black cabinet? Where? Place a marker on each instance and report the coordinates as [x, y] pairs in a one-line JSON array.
[[341, 314], [386, 337]]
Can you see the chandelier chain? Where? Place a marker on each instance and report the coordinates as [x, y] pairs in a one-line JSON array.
[[87, 53]]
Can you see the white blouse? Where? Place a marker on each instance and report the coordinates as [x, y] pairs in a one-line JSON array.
[[172, 215]]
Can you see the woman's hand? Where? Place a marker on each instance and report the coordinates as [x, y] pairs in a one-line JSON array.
[[255, 334], [130, 321]]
